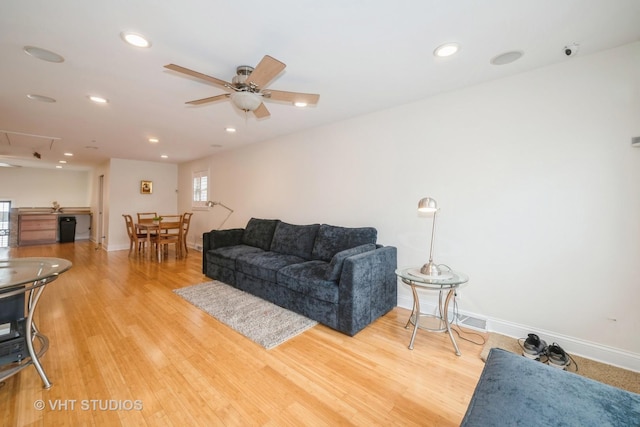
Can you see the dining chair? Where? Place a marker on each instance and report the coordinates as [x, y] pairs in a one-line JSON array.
[[170, 234], [146, 216], [137, 240], [186, 221]]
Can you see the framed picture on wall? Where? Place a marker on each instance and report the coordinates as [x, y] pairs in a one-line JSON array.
[[146, 187]]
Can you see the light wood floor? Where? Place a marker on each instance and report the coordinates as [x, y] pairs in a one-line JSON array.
[[125, 350]]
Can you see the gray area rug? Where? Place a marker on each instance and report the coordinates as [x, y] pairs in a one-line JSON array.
[[261, 321]]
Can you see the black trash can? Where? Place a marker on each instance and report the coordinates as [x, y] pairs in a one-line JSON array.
[[67, 229]]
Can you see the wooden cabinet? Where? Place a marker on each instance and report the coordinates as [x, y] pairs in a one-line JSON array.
[[37, 229]]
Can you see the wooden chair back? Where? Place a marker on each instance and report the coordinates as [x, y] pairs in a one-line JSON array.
[[171, 224], [131, 230], [186, 222], [146, 216], [136, 240], [170, 233]]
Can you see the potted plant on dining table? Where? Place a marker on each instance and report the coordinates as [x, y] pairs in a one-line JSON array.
[[156, 220]]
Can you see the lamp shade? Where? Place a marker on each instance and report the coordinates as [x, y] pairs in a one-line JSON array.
[[428, 205]]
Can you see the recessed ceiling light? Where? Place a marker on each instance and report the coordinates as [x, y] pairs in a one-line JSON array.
[[446, 49], [58, 167], [164, 156], [300, 104], [62, 161], [154, 140], [45, 55], [230, 129], [135, 39], [507, 57], [68, 154], [98, 99], [40, 98]]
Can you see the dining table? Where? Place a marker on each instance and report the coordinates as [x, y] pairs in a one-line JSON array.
[[151, 227]]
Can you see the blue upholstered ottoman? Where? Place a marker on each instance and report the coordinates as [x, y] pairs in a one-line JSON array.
[[516, 391]]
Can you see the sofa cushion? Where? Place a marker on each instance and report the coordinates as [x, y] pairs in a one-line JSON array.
[[265, 265], [517, 391], [308, 278], [331, 240], [227, 255], [294, 239], [259, 232], [335, 266]]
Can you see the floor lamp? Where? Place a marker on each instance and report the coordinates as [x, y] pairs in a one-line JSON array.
[[212, 204]]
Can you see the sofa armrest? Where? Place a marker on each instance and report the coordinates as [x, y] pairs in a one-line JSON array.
[[218, 239], [367, 288]]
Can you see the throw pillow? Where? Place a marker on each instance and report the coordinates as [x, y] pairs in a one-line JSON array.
[[332, 239], [335, 266]]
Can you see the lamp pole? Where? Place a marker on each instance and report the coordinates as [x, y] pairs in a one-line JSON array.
[[429, 205]]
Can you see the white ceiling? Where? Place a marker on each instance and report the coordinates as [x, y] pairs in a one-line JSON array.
[[359, 55]]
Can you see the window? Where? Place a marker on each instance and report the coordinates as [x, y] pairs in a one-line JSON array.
[[5, 207], [200, 189]]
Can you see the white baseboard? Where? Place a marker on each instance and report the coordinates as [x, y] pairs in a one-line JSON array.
[[590, 350]]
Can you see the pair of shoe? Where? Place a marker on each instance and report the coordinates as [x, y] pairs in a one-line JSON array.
[[535, 348]]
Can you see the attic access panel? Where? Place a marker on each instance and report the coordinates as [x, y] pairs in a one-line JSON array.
[[18, 144]]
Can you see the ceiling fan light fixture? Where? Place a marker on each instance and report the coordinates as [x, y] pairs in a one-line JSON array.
[[246, 101], [300, 104]]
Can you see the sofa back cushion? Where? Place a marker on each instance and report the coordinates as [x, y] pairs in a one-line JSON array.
[[259, 232], [295, 240], [331, 240]]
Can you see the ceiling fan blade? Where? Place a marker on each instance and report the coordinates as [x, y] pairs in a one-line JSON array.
[[208, 99], [196, 74], [261, 111], [293, 97], [265, 71]]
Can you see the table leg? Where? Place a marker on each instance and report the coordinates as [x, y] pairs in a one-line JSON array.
[[149, 244], [416, 316], [450, 296], [30, 329]]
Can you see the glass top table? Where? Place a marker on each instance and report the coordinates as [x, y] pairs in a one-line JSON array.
[[449, 281], [19, 277]]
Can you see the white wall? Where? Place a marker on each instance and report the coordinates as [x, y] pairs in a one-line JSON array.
[[122, 195], [535, 177], [31, 187]]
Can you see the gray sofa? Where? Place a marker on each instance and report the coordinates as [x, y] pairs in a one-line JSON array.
[[337, 276]]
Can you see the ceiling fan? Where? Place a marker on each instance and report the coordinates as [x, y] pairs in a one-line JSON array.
[[247, 88]]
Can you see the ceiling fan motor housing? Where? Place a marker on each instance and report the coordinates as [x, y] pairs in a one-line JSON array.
[[239, 80]]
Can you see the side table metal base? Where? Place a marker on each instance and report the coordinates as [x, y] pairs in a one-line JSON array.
[[442, 318]]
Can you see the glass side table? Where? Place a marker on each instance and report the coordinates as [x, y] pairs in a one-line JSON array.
[[19, 277], [447, 282]]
